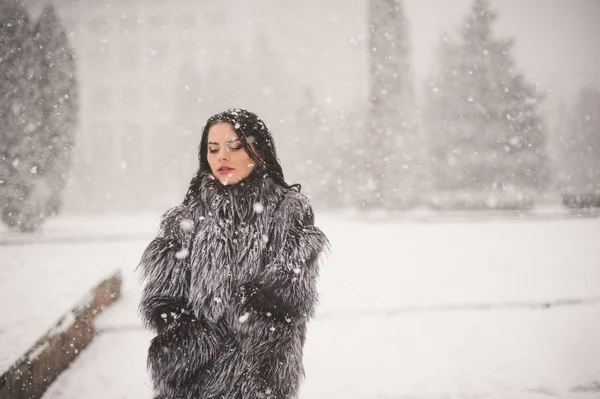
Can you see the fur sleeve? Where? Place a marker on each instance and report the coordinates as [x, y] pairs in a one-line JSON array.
[[287, 293], [164, 269], [184, 342]]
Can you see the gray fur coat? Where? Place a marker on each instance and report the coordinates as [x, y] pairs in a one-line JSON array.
[[229, 285]]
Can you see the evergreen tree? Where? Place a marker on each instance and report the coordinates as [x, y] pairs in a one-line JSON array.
[[391, 144], [58, 85], [20, 116], [579, 176], [485, 131]]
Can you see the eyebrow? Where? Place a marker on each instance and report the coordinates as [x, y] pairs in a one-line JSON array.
[[229, 141]]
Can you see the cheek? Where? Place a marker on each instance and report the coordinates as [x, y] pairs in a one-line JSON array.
[[242, 159], [211, 160], [249, 162]]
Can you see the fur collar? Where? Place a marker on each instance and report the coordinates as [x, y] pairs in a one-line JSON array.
[[236, 203], [232, 228]]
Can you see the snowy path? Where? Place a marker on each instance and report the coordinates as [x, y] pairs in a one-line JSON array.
[[40, 284], [415, 310]]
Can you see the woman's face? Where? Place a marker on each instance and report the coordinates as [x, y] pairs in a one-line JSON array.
[[228, 160]]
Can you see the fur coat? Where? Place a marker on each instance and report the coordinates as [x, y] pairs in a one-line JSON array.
[[229, 284]]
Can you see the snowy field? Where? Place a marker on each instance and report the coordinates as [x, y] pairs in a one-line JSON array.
[[466, 309]]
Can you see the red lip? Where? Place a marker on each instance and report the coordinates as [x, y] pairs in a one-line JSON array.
[[225, 169]]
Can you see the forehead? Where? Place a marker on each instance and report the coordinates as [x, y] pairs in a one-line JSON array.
[[221, 132]]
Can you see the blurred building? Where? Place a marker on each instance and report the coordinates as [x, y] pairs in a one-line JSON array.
[[129, 54]]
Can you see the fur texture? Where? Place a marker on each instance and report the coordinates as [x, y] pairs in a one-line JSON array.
[[229, 285]]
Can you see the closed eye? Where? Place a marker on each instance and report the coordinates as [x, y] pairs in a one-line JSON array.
[[232, 145]]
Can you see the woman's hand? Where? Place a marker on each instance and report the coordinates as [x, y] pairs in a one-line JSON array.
[[253, 314], [184, 347], [254, 303]]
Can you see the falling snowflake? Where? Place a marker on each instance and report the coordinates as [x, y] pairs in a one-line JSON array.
[[243, 318], [187, 225], [258, 207], [182, 253]]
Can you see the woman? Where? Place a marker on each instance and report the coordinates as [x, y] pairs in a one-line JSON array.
[[230, 281]]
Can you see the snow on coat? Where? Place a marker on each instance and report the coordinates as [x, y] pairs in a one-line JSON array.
[[229, 285]]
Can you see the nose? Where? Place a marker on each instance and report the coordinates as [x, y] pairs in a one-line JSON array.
[[223, 154]]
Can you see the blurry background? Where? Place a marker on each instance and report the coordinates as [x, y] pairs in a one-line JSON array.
[[372, 103], [452, 148]]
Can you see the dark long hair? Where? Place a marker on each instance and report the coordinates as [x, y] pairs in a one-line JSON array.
[[249, 128]]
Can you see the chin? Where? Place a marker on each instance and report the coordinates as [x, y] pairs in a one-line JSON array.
[[228, 180]]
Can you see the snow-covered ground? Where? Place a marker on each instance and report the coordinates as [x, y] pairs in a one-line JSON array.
[[40, 284], [496, 309], [76, 228]]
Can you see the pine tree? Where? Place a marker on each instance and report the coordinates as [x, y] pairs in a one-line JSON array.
[[391, 144], [484, 126], [579, 176], [20, 115], [58, 85]]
